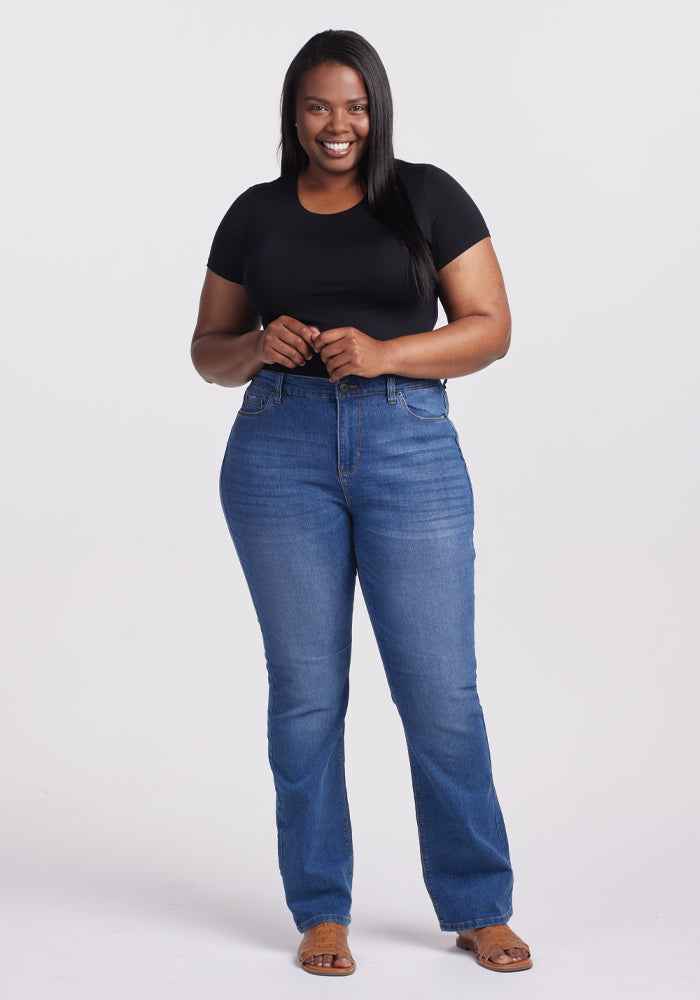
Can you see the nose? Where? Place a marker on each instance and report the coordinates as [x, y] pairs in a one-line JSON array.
[[338, 121]]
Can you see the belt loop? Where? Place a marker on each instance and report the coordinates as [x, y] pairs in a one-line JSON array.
[[390, 389], [277, 396]]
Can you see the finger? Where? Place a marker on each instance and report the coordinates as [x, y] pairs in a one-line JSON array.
[[280, 338], [274, 350], [333, 360], [296, 343], [282, 359], [340, 366], [319, 340], [345, 371], [288, 356], [333, 349], [298, 328], [288, 329], [268, 349]]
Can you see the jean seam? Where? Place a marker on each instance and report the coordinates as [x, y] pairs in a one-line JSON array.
[[421, 844], [414, 416], [503, 847], [344, 790], [308, 395], [464, 463], [342, 471], [463, 925], [456, 436], [257, 413], [278, 803], [340, 918], [359, 441], [345, 492], [329, 395], [423, 856]]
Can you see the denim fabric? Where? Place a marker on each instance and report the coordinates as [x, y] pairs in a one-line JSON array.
[[322, 482]]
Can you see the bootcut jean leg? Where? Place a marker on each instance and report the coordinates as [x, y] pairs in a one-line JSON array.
[[292, 533], [412, 505]]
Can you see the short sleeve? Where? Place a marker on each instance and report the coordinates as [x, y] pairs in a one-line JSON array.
[[226, 257], [456, 222]]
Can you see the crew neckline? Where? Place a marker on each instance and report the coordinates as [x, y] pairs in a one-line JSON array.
[[324, 215]]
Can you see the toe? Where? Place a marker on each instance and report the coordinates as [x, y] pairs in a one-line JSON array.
[[517, 954], [500, 958], [326, 961]]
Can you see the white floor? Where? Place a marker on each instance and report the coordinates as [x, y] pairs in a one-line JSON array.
[[188, 940], [90, 910]]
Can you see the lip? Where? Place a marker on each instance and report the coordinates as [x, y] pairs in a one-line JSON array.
[[336, 153]]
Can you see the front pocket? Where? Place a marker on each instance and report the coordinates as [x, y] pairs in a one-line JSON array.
[[428, 402], [256, 400]]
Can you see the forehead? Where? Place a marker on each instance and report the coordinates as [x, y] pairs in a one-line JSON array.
[[333, 81]]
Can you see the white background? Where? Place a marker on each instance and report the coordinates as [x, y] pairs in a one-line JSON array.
[[138, 842]]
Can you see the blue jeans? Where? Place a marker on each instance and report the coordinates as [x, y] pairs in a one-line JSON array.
[[322, 482]]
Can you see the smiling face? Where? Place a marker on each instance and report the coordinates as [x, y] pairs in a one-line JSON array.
[[332, 116]]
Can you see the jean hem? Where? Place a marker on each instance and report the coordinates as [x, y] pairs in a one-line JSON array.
[[337, 918], [466, 925]]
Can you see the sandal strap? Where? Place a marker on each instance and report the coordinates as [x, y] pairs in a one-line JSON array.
[[328, 938], [487, 940]]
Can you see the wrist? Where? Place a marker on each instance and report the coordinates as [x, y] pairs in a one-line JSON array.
[[390, 355], [257, 346]]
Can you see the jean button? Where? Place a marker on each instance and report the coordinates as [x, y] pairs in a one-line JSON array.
[[344, 387]]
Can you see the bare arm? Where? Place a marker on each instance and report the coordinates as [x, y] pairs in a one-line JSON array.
[[478, 326], [477, 333], [228, 346]]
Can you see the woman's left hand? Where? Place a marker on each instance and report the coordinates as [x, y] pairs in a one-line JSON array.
[[345, 351]]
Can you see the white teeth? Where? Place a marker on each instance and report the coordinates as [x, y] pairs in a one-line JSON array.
[[338, 147]]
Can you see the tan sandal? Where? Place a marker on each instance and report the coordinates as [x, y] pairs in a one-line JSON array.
[[328, 938], [486, 940]]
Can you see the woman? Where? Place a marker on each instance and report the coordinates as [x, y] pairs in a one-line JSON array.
[[342, 462]]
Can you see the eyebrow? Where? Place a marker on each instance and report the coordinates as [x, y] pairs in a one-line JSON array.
[[322, 100]]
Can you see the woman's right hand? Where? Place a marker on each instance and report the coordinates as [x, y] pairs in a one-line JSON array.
[[228, 346], [286, 341]]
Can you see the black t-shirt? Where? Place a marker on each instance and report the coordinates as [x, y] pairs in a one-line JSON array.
[[343, 269]]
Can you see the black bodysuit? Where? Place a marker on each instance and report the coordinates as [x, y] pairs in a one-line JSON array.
[[343, 269]]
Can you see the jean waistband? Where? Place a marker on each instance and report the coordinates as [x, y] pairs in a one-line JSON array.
[[353, 385]]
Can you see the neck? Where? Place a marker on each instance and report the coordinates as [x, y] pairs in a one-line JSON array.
[[314, 181], [332, 194]]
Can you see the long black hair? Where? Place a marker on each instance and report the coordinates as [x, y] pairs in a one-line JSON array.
[[386, 195]]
